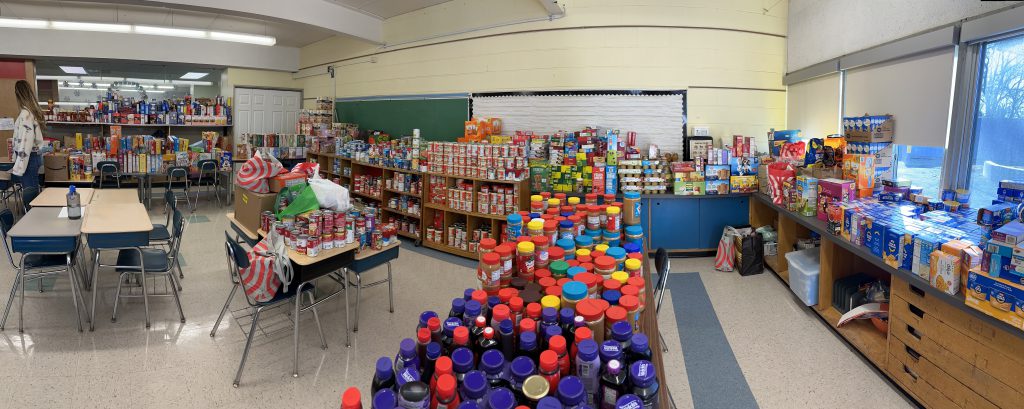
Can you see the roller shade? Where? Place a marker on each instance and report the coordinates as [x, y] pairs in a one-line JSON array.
[[657, 119], [812, 106], [916, 90]]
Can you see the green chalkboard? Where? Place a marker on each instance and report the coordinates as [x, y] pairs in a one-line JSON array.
[[438, 119]]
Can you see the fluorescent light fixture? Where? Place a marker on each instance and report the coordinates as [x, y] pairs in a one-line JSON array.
[[23, 23], [73, 70], [168, 31], [80, 26], [80, 104], [243, 38], [165, 86], [194, 75]]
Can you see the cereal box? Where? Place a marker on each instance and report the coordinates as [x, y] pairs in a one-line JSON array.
[[743, 184], [717, 172], [996, 297], [744, 165], [945, 272], [807, 187], [687, 188], [716, 187]]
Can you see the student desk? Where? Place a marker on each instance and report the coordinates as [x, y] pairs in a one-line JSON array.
[[41, 232], [58, 197], [115, 196], [115, 226]]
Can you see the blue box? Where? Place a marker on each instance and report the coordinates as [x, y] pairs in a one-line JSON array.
[[876, 233], [892, 243], [907, 251]]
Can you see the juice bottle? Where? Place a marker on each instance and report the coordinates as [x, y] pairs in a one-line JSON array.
[[407, 356], [613, 385], [474, 387], [384, 376], [351, 399], [572, 393], [549, 368], [445, 396], [492, 362], [645, 383], [588, 368], [501, 398], [521, 369], [384, 399]]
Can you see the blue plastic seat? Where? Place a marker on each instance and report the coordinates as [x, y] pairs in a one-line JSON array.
[[154, 260]]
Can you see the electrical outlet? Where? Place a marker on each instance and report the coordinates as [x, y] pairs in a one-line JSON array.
[[701, 131]]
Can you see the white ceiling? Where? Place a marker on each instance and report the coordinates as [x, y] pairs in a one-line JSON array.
[[385, 9]]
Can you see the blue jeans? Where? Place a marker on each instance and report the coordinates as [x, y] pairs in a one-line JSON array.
[[30, 180]]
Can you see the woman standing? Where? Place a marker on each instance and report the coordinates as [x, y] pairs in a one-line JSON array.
[[28, 140]]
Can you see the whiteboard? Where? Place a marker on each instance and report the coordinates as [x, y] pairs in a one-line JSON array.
[[657, 119]]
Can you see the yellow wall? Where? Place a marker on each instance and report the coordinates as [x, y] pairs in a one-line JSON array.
[[243, 77], [580, 51]]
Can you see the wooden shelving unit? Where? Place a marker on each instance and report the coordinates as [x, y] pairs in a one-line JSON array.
[[472, 220]]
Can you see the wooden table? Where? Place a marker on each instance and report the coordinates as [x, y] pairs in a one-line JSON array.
[[115, 196], [58, 197], [115, 226]]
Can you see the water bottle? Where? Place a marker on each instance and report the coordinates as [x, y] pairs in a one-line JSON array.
[[74, 204]]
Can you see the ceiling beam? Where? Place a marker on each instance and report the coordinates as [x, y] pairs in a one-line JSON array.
[[553, 8], [317, 13]]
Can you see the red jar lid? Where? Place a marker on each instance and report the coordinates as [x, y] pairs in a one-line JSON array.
[[583, 333], [615, 313], [539, 240], [505, 294], [547, 282], [637, 282], [591, 311], [527, 325], [555, 253], [533, 309], [480, 296], [595, 254], [541, 273], [629, 302], [629, 290], [515, 303], [573, 263], [562, 281], [588, 266], [612, 284], [637, 256], [491, 258], [553, 290], [551, 224], [590, 279], [605, 262], [503, 250], [488, 243], [584, 259]]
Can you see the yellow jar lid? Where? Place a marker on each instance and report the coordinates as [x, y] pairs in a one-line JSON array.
[[536, 198], [582, 252], [613, 210], [574, 200], [620, 276], [535, 224], [632, 264], [550, 301], [525, 246], [553, 202], [601, 247]]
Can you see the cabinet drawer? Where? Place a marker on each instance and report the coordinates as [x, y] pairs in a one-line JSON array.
[[908, 378], [920, 369]]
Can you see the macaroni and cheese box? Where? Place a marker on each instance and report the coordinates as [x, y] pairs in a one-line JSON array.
[[924, 245], [945, 272], [743, 184], [716, 187], [687, 188], [996, 297]]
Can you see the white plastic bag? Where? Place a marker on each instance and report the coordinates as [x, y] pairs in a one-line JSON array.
[[329, 194]]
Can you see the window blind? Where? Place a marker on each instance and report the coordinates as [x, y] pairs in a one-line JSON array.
[[812, 106]]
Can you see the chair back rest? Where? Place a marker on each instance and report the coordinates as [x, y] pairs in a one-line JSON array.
[[177, 172], [238, 259], [178, 230], [169, 203], [6, 223], [207, 166]]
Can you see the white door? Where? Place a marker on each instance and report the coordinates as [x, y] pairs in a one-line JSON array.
[[264, 111]]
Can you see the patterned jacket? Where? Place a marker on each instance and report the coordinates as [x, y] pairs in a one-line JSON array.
[[28, 138]]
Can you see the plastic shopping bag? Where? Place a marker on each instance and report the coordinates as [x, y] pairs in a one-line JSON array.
[[330, 195], [780, 174], [260, 281], [725, 259], [295, 200], [254, 172], [311, 169]]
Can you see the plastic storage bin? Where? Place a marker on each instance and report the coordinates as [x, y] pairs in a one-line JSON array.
[[804, 269]]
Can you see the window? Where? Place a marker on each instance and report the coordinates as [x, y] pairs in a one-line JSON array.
[[922, 166], [998, 151]]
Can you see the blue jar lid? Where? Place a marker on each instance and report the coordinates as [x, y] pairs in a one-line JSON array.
[[501, 398], [549, 314], [527, 341], [641, 373], [384, 368], [612, 296], [571, 391], [566, 244], [610, 350], [492, 301], [534, 216], [549, 402], [631, 247], [407, 348], [473, 308], [406, 375], [506, 326], [582, 241], [523, 367], [572, 271], [514, 218], [634, 230], [574, 290], [468, 294], [565, 224], [587, 350], [565, 316], [451, 324], [629, 401], [552, 331], [622, 331], [385, 399], [433, 350], [639, 343], [615, 252], [474, 385], [459, 305], [468, 404], [631, 195], [611, 234], [492, 361], [592, 232], [462, 359], [426, 316]]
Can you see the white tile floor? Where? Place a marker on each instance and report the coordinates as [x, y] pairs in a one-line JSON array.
[[790, 360]]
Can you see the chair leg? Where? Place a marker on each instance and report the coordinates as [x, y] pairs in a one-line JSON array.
[[74, 293], [10, 300], [348, 322], [117, 295], [664, 347], [181, 273], [145, 295], [295, 330], [316, 317], [95, 289], [248, 344], [227, 304], [21, 305], [391, 292], [174, 290], [359, 288]]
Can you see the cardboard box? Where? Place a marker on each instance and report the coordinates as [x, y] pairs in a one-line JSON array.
[[743, 184], [280, 182], [249, 205], [996, 297], [55, 166], [869, 128]]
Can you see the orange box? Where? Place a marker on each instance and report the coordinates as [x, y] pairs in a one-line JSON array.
[[279, 182]]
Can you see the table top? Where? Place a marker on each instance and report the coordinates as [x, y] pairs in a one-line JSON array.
[[115, 196], [57, 197], [43, 222], [367, 253], [241, 228], [304, 260], [116, 218]]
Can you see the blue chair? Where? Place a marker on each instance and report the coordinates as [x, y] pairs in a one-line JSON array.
[[238, 259], [208, 177], [108, 175], [34, 266], [10, 190], [161, 235], [153, 262], [363, 265], [177, 178]]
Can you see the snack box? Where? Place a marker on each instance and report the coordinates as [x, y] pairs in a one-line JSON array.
[[924, 245], [892, 244], [744, 165], [716, 187], [944, 273], [837, 189], [743, 184], [996, 214], [687, 188], [717, 172], [996, 297], [1011, 233], [1006, 268], [890, 197]]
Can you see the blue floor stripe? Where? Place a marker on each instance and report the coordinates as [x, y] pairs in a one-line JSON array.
[[716, 380]]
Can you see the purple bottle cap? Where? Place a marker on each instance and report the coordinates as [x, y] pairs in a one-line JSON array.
[[469, 404], [549, 402], [566, 316], [549, 315], [523, 367], [468, 294], [492, 361], [451, 324], [406, 375], [641, 373], [462, 359], [639, 344], [612, 296], [571, 391], [610, 350], [506, 326], [552, 331], [384, 368], [458, 305], [407, 348], [492, 301], [629, 401], [614, 367], [527, 341], [587, 350], [385, 399], [621, 331], [501, 398], [426, 316], [472, 308], [433, 350], [578, 321], [474, 385]]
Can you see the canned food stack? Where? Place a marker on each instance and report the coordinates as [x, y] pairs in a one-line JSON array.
[[496, 198], [367, 184], [404, 204], [438, 190], [404, 182], [406, 225], [460, 196], [326, 229], [478, 160]]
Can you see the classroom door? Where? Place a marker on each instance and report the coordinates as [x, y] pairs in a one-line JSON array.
[[265, 111]]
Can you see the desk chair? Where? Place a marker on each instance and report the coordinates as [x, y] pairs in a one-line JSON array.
[[10, 190], [360, 266], [34, 266], [183, 185], [238, 259], [208, 177], [153, 262], [109, 175]]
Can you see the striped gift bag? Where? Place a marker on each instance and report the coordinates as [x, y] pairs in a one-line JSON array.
[[260, 280], [254, 172], [780, 175], [725, 259]]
